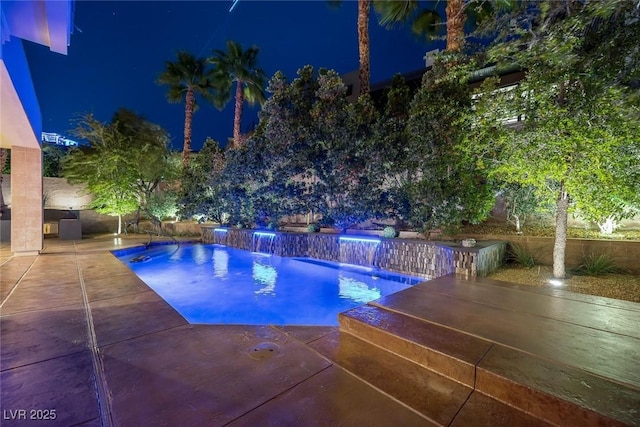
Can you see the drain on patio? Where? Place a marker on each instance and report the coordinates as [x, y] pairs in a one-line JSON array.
[[264, 350]]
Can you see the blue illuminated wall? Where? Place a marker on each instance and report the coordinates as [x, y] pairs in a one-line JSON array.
[[15, 61]]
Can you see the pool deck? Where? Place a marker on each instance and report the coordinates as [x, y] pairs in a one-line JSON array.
[[82, 339]]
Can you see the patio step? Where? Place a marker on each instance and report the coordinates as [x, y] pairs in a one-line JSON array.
[[510, 382]]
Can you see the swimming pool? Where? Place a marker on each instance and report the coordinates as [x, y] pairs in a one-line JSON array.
[[215, 284]]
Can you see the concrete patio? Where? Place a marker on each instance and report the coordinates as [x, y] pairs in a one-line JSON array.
[[84, 342]]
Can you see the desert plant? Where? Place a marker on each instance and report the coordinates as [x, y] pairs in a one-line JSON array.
[[390, 232], [597, 265], [519, 254]]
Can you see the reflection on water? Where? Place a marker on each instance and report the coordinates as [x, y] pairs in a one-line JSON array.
[[220, 263], [265, 276], [246, 288], [200, 255], [356, 290]]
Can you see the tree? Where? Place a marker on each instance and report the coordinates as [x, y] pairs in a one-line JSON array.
[[579, 136], [521, 203], [285, 144], [187, 79], [311, 153], [151, 161], [389, 158], [430, 21], [123, 165], [240, 67], [364, 7], [202, 185], [99, 167], [52, 157], [341, 143], [445, 189]]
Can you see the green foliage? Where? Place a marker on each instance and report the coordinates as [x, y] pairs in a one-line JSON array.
[[188, 78], [444, 186], [127, 160], [202, 191], [581, 121], [519, 254], [163, 204], [390, 232], [52, 157], [240, 67], [313, 228], [311, 151], [5, 160], [522, 202], [597, 265]]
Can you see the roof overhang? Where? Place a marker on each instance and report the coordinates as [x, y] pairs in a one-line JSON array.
[[47, 22]]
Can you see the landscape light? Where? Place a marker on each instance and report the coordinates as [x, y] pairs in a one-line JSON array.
[[262, 233], [556, 282], [359, 239]]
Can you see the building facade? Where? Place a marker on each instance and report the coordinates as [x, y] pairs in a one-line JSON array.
[[49, 23]]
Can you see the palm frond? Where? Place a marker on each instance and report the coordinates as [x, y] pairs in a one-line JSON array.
[[393, 12]]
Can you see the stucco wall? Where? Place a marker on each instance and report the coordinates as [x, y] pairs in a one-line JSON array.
[[57, 193]]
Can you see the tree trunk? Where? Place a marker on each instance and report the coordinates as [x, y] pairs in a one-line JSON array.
[[363, 44], [560, 243], [119, 224], [455, 25], [237, 119], [188, 118]]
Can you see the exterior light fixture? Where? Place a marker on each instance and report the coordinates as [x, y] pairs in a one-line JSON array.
[[262, 233], [359, 239]]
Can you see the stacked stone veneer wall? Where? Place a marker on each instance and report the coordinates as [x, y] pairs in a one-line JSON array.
[[416, 257], [428, 259], [479, 261]]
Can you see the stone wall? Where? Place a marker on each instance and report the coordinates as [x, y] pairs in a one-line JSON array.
[[418, 257], [625, 253], [415, 257]]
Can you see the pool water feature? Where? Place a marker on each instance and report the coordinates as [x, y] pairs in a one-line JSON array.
[[263, 242], [215, 284], [358, 250]]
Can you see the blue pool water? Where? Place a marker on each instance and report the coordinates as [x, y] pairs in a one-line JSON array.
[[215, 284]]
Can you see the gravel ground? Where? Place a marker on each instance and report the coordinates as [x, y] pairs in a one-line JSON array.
[[618, 286]]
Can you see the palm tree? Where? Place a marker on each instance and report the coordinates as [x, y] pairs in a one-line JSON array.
[[240, 67], [364, 6], [428, 21], [186, 78]]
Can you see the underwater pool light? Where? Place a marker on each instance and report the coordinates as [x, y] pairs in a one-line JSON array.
[[359, 239], [220, 230]]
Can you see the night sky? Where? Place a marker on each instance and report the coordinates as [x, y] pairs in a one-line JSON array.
[[118, 49]]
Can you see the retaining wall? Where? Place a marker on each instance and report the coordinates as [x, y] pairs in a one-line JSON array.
[[625, 253], [410, 256]]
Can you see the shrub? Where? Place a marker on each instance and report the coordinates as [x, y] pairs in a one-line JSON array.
[[390, 232], [596, 265], [313, 228], [520, 255]]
